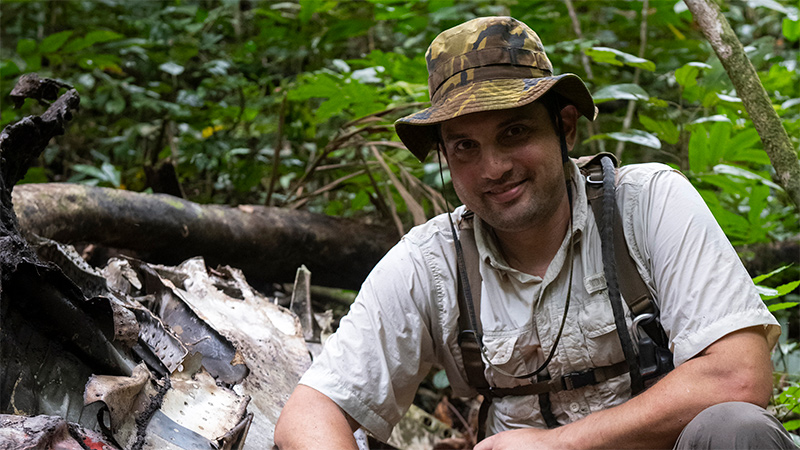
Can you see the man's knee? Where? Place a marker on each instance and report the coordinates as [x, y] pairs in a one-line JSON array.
[[734, 425]]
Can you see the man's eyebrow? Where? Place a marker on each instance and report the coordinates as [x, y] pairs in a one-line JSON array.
[[453, 136], [511, 120]]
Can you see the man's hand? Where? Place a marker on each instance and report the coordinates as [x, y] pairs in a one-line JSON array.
[[526, 439]]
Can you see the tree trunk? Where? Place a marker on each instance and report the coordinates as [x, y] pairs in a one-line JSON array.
[[749, 88], [267, 244]]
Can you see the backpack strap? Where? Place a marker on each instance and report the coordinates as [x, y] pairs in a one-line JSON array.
[[648, 355], [632, 287], [470, 352]]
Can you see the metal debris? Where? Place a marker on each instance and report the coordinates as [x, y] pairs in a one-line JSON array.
[[217, 360]]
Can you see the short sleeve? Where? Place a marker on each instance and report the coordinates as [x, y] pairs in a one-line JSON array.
[[371, 367], [700, 283]]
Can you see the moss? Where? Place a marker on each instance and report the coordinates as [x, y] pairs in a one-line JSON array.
[[177, 204]]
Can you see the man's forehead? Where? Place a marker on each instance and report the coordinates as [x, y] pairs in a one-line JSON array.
[[491, 119]]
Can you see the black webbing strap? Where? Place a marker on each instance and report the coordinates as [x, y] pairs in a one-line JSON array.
[[631, 285], [607, 220], [545, 406]]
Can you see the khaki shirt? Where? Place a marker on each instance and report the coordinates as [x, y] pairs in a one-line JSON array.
[[405, 318]]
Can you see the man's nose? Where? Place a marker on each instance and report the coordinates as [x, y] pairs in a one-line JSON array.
[[496, 163]]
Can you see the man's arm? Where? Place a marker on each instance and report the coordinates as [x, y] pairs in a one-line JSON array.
[[310, 420], [734, 368]]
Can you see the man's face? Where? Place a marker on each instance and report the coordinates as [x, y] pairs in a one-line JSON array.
[[506, 164]]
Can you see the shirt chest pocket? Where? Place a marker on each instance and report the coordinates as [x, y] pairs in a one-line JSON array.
[[517, 353], [596, 321]]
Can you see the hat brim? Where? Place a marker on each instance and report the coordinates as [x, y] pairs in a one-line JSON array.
[[419, 133]]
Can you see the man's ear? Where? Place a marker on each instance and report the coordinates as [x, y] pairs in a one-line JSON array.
[[569, 118]]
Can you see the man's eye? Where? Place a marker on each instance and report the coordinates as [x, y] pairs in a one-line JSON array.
[[465, 146], [515, 131]]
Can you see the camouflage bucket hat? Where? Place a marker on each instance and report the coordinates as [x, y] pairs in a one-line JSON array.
[[486, 64]]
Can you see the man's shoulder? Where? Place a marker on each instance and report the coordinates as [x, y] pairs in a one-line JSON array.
[[643, 172]]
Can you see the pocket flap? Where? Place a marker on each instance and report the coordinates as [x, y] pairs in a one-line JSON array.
[[499, 348]]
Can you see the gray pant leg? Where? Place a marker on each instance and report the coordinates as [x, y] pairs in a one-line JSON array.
[[734, 425]]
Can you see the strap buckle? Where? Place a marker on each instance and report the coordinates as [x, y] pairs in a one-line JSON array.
[[595, 182], [576, 380], [636, 327]]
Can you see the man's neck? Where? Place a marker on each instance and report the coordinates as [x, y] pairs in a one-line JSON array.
[[531, 250]]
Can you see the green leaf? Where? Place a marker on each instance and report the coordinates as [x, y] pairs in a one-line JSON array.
[[752, 155], [54, 41], [792, 425], [686, 76], [787, 288], [107, 174], [719, 136], [26, 47], [728, 98], [115, 105], [770, 4], [781, 306], [633, 136], [725, 169], [360, 201], [320, 86], [626, 91], [666, 130], [791, 29], [172, 68], [8, 68], [111, 174], [75, 45], [714, 118], [790, 103], [763, 277], [309, 7], [33, 62], [698, 150], [35, 175], [610, 55], [768, 293], [91, 171], [99, 36]]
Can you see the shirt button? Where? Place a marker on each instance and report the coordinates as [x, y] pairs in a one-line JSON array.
[[574, 407]]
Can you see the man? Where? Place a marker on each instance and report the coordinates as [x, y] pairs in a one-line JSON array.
[[504, 124]]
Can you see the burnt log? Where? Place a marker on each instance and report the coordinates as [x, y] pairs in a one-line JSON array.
[[266, 243]]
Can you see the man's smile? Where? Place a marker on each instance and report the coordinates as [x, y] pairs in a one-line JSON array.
[[505, 192]]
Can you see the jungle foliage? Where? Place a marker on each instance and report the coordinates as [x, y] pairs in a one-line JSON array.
[[291, 103]]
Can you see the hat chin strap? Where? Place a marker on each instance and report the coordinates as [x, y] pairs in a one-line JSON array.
[[555, 115]]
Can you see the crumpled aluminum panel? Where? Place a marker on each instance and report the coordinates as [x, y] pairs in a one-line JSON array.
[[193, 412], [48, 432], [267, 337]]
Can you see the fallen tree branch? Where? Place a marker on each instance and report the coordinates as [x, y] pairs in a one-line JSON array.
[[266, 243]]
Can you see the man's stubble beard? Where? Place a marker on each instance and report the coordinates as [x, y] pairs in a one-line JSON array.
[[538, 204]]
